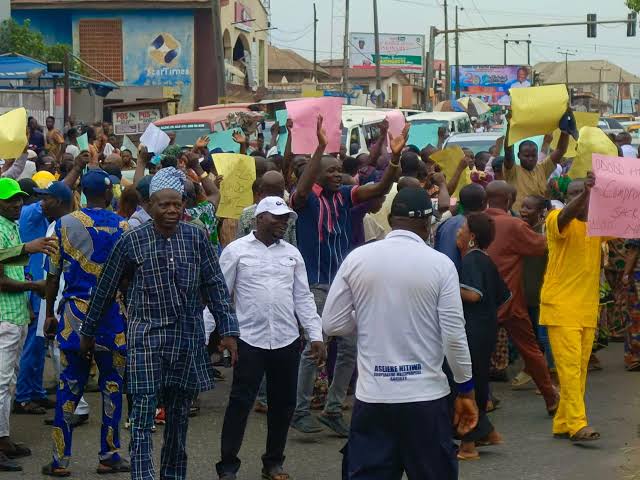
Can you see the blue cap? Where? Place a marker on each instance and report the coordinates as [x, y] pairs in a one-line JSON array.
[[143, 186], [58, 190], [96, 181]]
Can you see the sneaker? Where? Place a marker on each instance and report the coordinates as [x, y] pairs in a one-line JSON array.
[[335, 423], [46, 402], [113, 466], [306, 424], [160, 416]]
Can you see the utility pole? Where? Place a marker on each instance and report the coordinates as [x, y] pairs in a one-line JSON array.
[[517, 42], [376, 34], [345, 52], [457, 56], [218, 52], [5, 10], [65, 110], [315, 44], [600, 70], [428, 79], [619, 109], [566, 54], [447, 66]]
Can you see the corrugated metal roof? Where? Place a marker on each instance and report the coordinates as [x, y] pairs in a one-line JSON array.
[[288, 60]]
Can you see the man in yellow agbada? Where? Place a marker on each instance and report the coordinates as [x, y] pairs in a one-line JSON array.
[[569, 306]]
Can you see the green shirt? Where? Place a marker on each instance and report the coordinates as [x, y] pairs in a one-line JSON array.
[[13, 306]]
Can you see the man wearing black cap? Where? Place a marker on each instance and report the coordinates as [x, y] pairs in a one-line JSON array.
[[141, 215], [401, 411], [31, 397], [85, 240]]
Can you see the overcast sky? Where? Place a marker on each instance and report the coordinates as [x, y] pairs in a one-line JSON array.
[[294, 22]]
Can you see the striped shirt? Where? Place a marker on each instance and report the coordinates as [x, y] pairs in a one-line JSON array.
[[13, 306], [324, 231], [168, 280]]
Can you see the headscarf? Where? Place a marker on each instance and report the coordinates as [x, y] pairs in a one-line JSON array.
[[170, 178]]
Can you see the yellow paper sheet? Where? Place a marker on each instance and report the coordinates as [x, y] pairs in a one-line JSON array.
[[592, 140], [235, 190], [449, 159], [536, 110], [13, 133], [583, 119]]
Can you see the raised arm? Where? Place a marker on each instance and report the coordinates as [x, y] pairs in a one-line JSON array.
[[16, 169], [79, 164], [578, 206], [141, 164], [452, 184], [312, 170], [211, 190], [288, 157], [241, 139], [563, 143], [367, 192], [509, 155], [376, 150]]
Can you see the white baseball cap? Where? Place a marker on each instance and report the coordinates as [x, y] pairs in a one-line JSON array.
[[275, 206], [31, 154]]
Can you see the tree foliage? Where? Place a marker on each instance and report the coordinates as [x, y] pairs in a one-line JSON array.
[[22, 39], [634, 5]]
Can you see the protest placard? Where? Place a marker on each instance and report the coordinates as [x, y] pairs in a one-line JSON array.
[[239, 173], [127, 144], [283, 135], [83, 142], [155, 139], [13, 133], [614, 205], [536, 110], [304, 115], [423, 134], [448, 160], [396, 121], [583, 119], [592, 140], [224, 140]]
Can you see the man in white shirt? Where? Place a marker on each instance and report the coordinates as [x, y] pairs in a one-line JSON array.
[[268, 280], [403, 300]]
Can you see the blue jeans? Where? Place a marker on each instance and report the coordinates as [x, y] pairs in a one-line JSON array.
[[29, 384], [345, 365], [542, 335]]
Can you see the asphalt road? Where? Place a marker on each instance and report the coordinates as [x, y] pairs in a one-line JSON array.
[[530, 452]]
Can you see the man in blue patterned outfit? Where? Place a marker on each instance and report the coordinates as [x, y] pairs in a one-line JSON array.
[[171, 267], [85, 240]]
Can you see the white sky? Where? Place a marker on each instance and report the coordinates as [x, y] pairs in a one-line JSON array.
[[294, 20]]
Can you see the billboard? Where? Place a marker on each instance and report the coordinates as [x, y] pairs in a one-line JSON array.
[[401, 52], [491, 83]]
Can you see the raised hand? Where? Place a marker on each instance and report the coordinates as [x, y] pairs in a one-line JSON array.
[[202, 142], [322, 134], [398, 143], [239, 137]]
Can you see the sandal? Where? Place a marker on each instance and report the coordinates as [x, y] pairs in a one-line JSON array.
[[28, 408], [585, 434], [18, 451], [634, 367], [52, 471], [466, 456], [275, 473]]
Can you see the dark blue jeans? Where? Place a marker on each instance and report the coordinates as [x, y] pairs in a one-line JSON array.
[[387, 440]]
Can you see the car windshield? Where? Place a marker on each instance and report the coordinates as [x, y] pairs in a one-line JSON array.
[[427, 121], [613, 123], [474, 145], [188, 134]]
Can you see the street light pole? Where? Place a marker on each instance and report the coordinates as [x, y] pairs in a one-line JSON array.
[[345, 51], [457, 57], [218, 52], [447, 66]]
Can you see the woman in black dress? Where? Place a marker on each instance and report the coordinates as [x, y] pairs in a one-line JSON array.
[[483, 291]]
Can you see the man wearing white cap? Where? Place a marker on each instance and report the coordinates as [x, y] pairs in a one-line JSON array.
[[268, 279]]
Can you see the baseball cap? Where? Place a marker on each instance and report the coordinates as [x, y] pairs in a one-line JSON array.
[[96, 181], [275, 206], [28, 186], [411, 203], [43, 178], [31, 155], [9, 188], [57, 190]]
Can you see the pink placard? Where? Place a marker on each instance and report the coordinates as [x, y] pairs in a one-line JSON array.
[[396, 124], [614, 205], [304, 114]]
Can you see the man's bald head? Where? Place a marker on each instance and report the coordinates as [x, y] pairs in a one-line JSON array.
[[272, 184], [473, 198], [408, 182], [500, 195]]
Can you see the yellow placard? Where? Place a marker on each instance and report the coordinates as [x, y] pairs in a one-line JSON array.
[[583, 119], [239, 173], [448, 160], [536, 110], [13, 133], [592, 140]]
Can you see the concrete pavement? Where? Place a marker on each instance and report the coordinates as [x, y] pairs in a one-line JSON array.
[[529, 452]]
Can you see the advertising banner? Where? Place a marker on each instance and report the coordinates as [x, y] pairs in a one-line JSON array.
[[491, 83], [401, 52]]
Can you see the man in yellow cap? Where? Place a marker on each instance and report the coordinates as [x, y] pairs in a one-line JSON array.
[[15, 317]]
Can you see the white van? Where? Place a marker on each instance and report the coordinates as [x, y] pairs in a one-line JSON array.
[[457, 122], [359, 126]]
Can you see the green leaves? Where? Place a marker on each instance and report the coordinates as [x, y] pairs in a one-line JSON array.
[[24, 40], [634, 5]]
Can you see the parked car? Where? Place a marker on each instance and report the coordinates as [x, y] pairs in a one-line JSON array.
[[610, 125], [456, 122], [476, 142]]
